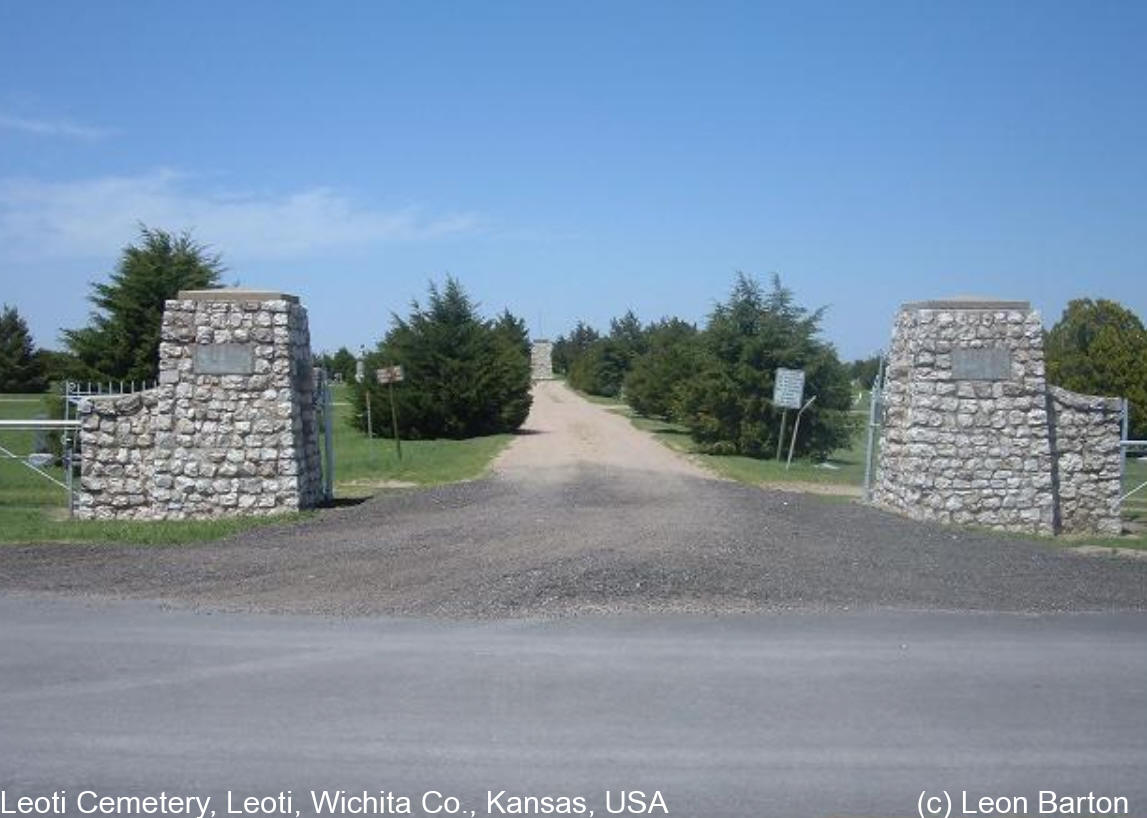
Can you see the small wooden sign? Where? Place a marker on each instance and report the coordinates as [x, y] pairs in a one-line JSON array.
[[389, 374]]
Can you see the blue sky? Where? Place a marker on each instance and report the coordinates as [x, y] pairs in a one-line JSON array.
[[574, 160]]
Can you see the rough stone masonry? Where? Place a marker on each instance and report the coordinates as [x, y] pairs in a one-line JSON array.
[[230, 428], [542, 360], [973, 433]]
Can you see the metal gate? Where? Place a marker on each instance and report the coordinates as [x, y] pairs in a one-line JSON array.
[[1132, 504], [875, 420], [324, 410]]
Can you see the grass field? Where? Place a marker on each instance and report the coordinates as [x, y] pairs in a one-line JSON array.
[[364, 465], [1135, 506], [32, 509], [19, 486]]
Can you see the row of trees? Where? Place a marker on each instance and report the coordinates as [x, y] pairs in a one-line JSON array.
[[718, 381], [342, 364], [469, 375], [463, 375]]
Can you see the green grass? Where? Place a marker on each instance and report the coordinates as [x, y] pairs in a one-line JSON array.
[[32, 525], [1134, 507], [19, 485], [32, 509], [364, 464]]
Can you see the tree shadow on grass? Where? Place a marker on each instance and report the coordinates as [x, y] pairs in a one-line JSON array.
[[667, 430]]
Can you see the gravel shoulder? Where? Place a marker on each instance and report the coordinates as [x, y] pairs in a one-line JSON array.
[[583, 513]]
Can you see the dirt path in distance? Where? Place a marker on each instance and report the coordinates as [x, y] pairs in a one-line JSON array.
[[565, 430]]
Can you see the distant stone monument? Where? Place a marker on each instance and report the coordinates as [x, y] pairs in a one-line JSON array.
[[973, 434], [542, 360], [230, 429]]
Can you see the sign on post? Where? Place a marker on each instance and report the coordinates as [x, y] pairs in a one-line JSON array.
[[389, 374], [788, 388]]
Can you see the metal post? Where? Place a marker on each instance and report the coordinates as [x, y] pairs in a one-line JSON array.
[[1126, 428], [369, 426], [394, 422], [67, 449], [797, 428], [873, 398], [328, 440], [781, 436]]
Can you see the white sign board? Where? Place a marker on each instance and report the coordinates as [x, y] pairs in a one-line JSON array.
[[389, 374], [359, 370], [788, 388]]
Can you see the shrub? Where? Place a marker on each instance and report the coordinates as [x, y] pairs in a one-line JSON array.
[[727, 405], [654, 381], [1100, 348], [464, 376]]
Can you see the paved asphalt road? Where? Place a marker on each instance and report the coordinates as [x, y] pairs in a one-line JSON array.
[[786, 715]]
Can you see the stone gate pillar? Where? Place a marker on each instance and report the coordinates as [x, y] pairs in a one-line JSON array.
[[542, 360], [973, 434], [231, 427]]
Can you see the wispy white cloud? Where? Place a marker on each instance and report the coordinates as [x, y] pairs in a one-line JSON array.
[[97, 216], [58, 127]]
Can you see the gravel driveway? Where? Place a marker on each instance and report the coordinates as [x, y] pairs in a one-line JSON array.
[[584, 513]]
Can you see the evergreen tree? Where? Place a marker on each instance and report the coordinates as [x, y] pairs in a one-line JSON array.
[[512, 370], [1100, 348], [343, 362], [728, 405], [629, 336], [863, 371], [568, 350], [463, 376], [601, 368], [61, 366], [122, 339], [602, 365], [670, 360], [21, 368]]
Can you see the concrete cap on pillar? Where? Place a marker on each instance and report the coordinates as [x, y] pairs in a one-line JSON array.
[[968, 302], [236, 294]]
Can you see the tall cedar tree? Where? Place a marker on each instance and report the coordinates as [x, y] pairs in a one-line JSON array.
[[728, 406], [603, 365], [343, 362], [1100, 348], [567, 350], [21, 368], [121, 342], [463, 376], [653, 385]]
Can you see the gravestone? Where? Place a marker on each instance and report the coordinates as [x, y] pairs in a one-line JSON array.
[[230, 429]]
